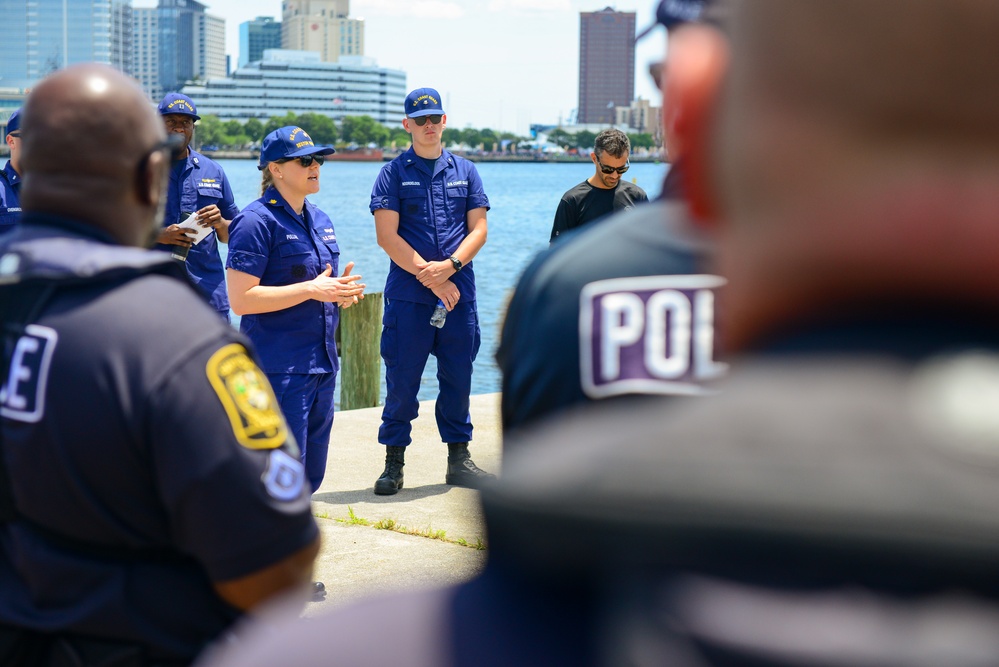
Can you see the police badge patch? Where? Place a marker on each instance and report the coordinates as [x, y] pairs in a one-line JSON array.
[[247, 397]]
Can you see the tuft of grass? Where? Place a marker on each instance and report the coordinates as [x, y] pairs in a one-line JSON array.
[[391, 524]]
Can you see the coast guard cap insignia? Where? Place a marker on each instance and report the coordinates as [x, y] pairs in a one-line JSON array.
[[247, 397]]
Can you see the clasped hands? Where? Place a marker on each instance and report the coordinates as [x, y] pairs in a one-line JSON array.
[[343, 290], [436, 276]]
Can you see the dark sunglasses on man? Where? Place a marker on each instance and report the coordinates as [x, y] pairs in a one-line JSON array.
[[610, 170], [433, 118], [306, 160]]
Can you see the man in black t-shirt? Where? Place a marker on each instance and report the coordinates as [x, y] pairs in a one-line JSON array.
[[604, 192]]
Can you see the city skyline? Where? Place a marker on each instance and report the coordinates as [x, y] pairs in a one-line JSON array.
[[501, 64]]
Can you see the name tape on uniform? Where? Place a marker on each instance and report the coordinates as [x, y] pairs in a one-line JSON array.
[[22, 394], [247, 397], [648, 335]]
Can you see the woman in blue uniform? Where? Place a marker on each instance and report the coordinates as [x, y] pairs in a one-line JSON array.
[[282, 279]]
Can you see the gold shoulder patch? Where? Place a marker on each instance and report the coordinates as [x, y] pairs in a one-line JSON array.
[[247, 397]]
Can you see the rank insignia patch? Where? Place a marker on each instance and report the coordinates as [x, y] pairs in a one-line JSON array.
[[247, 398]]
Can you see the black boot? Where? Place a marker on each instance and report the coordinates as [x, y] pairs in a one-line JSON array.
[[391, 480], [461, 470]]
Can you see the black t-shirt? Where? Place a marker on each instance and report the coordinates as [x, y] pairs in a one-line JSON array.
[[148, 456], [611, 311], [584, 204]]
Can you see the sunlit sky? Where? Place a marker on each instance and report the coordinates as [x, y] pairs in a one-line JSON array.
[[502, 64]]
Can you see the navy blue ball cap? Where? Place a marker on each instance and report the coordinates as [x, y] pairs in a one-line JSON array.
[[14, 122], [175, 103], [423, 102], [671, 13], [289, 141]]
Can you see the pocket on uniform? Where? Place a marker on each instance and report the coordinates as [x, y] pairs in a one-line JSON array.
[[413, 201], [390, 338]]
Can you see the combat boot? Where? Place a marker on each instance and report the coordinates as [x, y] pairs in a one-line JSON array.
[[461, 470], [391, 480]]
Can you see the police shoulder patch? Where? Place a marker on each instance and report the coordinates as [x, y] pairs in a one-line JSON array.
[[247, 397]]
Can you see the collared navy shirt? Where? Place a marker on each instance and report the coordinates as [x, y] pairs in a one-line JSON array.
[[433, 216], [10, 200], [272, 242], [201, 183], [134, 431]]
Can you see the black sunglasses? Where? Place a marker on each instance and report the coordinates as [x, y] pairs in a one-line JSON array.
[[433, 118], [610, 170], [306, 160]]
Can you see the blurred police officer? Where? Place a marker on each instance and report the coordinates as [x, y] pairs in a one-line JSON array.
[[197, 185], [149, 491], [10, 176], [430, 215], [623, 309], [835, 505]]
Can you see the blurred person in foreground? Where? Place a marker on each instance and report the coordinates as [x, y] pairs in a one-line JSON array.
[[624, 308], [197, 185], [10, 175], [835, 504], [602, 193], [150, 491]]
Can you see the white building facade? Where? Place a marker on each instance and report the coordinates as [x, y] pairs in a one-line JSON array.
[[299, 81]]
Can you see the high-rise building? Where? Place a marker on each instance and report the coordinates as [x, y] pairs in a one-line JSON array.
[[322, 26], [261, 33], [606, 64], [176, 42], [298, 81], [41, 36]]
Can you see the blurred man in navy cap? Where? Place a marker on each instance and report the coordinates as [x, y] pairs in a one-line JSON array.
[[624, 308], [197, 185], [430, 216], [10, 176]]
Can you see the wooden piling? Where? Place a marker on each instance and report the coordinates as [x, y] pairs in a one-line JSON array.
[[360, 353]]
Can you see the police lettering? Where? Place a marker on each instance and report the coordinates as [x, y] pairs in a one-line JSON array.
[[22, 394], [648, 335]]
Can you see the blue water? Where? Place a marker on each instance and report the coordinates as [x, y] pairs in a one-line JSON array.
[[523, 197]]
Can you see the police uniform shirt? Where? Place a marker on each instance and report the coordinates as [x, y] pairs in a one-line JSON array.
[[433, 217], [618, 309], [585, 203], [10, 201], [146, 451], [270, 241], [200, 182]]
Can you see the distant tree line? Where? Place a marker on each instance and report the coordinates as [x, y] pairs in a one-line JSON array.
[[365, 130]]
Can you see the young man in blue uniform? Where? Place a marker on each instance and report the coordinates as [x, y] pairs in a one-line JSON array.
[[149, 488], [10, 176], [197, 185], [430, 216]]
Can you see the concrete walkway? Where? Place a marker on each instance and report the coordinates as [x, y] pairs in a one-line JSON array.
[[435, 527]]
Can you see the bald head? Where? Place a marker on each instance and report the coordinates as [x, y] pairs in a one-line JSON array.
[[87, 132], [854, 151]]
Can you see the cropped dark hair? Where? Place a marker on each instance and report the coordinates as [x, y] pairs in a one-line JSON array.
[[612, 141]]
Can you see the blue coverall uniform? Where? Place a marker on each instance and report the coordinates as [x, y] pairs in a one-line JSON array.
[[10, 200], [147, 456], [296, 345], [433, 219], [201, 182]]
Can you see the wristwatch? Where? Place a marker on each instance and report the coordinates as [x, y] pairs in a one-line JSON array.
[[456, 263]]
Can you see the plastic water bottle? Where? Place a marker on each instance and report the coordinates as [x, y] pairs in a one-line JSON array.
[[440, 314]]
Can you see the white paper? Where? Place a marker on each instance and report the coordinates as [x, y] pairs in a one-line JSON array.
[[200, 232]]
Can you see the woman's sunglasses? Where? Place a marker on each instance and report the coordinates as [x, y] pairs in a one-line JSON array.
[[434, 119], [306, 160]]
